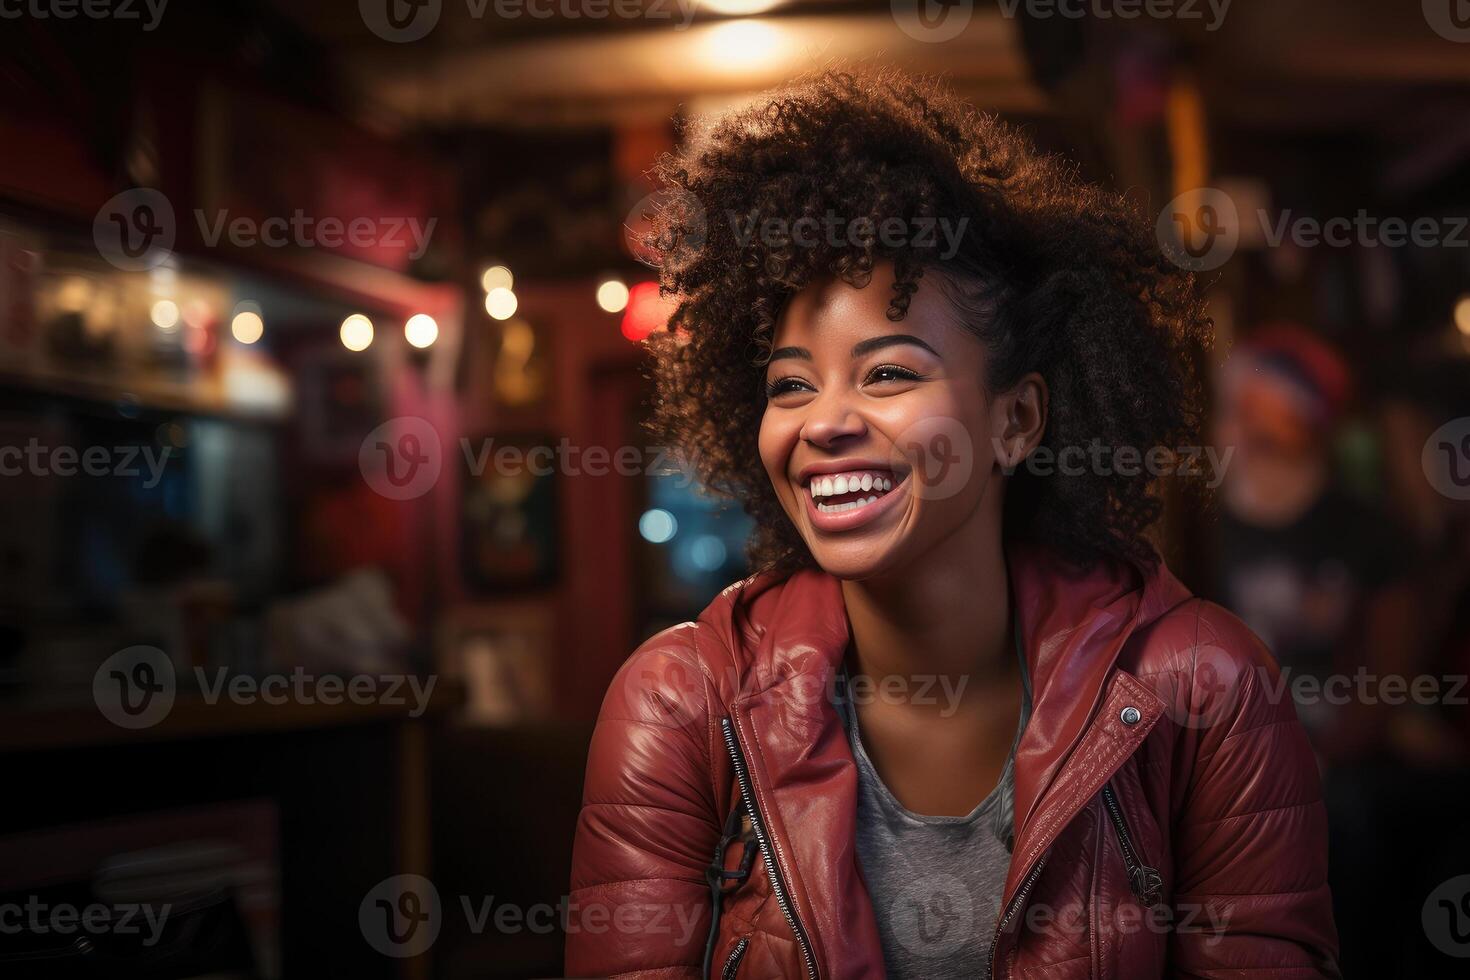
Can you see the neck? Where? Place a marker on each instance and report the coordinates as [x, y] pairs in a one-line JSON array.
[[949, 616]]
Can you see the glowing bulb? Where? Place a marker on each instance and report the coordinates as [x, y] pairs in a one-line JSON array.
[[501, 303], [742, 45], [740, 8], [247, 327], [1462, 315], [165, 314], [612, 296], [421, 331], [357, 332], [496, 277]]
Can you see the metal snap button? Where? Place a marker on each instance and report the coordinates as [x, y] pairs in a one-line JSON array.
[[1130, 715]]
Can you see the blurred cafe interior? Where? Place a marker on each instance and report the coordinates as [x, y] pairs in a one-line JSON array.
[[321, 357]]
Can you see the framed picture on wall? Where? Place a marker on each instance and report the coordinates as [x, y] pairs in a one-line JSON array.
[[509, 537]]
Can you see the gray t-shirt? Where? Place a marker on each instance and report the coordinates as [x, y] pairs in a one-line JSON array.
[[935, 881]]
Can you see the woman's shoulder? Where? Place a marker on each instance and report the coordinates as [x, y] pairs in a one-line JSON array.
[[766, 626], [1211, 669]]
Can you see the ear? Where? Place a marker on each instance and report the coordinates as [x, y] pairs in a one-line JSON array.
[[1018, 418]]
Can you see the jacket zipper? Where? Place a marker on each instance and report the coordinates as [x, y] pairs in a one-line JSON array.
[[733, 963], [778, 887], [1017, 903], [1145, 881]]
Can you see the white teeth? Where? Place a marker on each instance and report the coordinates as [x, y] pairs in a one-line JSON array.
[[843, 508], [833, 484]]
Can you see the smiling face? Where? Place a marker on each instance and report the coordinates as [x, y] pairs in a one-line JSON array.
[[880, 437]]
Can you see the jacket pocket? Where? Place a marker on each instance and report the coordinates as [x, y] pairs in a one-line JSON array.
[[732, 963], [1143, 879]]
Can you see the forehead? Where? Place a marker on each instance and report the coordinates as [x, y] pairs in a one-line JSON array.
[[835, 312]]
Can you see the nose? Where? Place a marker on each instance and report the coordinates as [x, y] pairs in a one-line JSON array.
[[830, 422]]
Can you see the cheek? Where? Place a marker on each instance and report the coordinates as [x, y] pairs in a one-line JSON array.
[[777, 439], [944, 433]]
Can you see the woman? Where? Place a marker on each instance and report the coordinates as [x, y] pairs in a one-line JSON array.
[[963, 722]]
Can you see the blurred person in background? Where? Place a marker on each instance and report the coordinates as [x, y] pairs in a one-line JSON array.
[[1355, 606], [747, 811], [1315, 571]]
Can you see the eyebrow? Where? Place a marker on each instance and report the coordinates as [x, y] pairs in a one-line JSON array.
[[858, 349]]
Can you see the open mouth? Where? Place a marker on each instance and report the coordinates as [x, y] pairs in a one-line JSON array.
[[838, 493]]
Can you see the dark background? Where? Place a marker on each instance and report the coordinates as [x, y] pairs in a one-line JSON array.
[[272, 540]]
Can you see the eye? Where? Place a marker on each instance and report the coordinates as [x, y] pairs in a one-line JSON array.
[[786, 385], [891, 372]]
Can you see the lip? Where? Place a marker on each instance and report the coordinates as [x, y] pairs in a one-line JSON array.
[[851, 519]]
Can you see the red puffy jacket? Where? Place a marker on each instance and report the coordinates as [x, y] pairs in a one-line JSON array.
[[1168, 811]]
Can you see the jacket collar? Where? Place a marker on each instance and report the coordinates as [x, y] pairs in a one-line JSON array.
[[788, 636]]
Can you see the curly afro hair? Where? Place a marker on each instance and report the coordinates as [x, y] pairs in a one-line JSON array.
[[1051, 274]]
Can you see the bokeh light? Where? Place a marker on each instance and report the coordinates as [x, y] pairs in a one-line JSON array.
[[421, 330], [165, 314], [612, 295], [501, 303], [357, 332], [657, 526]]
